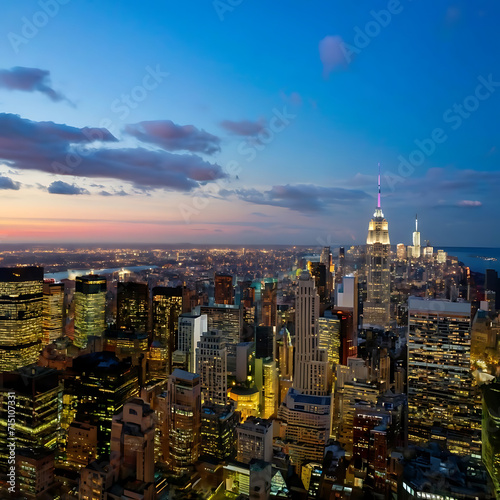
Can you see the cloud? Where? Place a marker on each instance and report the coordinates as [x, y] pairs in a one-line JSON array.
[[172, 137], [8, 183], [60, 187], [469, 204], [30, 80], [244, 128], [306, 198], [64, 150], [332, 54], [115, 193]]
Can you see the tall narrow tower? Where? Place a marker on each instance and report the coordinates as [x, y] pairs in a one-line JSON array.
[[416, 250], [311, 363], [376, 310]]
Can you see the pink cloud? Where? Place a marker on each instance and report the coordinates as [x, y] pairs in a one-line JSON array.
[[469, 203], [332, 54]]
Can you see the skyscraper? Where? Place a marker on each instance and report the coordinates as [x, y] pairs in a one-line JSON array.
[[223, 289], [95, 389], [132, 310], [312, 374], [167, 307], [90, 308], [211, 365], [218, 431], [376, 310], [132, 446], [21, 309], [305, 413], [53, 311], [415, 251], [38, 398], [441, 404], [255, 440], [191, 327], [182, 429]]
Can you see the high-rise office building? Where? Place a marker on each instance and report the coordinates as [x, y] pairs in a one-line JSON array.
[[441, 401], [377, 308], [268, 305], [167, 307], [329, 338], [327, 261], [305, 412], [265, 342], [401, 252], [182, 431], [306, 426], [132, 311], [218, 431], [191, 328], [132, 447], [21, 310], [81, 448], [341, 268], [228, 320], [53, 311], [312, 374], [35, 473], [211, 366], [266, 380], [319, 273], [95, 389], [255, 440], [223, 289], [38, 401], [90, 308]]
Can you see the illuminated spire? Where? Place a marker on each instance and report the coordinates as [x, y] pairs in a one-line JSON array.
[[378, 210], [378, 206], [416, 223]]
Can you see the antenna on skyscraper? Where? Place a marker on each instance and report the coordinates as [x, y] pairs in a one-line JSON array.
[[378, 206], [416, 223]]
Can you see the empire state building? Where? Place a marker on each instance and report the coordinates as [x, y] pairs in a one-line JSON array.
[[376, 310]]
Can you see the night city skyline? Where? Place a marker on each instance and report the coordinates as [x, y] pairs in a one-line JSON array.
[[248, 123]]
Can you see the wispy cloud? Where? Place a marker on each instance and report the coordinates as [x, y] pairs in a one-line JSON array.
[[245, 128], [306, 198], [173, 137], [30, 80]]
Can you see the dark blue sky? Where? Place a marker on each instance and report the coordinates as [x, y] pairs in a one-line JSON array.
[[249, 121]]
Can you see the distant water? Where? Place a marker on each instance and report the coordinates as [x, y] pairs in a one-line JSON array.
[[476, 257], [72, 273]]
